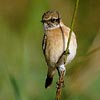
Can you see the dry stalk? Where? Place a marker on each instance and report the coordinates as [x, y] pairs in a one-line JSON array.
[[60, 84]]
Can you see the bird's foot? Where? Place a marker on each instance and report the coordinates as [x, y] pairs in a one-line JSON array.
[[60, 83]]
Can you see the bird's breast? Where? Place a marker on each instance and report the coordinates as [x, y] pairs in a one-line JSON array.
[[54, 46]]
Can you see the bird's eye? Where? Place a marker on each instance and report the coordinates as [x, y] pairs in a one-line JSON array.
[[53, 20]]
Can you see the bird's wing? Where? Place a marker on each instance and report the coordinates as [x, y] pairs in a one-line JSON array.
[[44, 42]]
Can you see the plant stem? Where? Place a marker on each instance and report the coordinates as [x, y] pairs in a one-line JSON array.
[[72, 25]]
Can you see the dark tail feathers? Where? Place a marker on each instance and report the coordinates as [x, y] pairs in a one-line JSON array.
[[48, 81]]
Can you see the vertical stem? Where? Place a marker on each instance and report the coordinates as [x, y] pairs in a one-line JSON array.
[[72, 24]]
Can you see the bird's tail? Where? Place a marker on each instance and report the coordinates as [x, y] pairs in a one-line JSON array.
[[48, 81]]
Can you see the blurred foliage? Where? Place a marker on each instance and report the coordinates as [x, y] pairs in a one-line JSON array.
[[22, 65]]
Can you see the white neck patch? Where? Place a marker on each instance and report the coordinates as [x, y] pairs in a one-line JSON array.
[[46, 27]]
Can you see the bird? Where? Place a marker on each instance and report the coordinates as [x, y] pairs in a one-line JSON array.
[[54, 43]]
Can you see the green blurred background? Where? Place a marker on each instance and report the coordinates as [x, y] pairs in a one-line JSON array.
[[22, 65]]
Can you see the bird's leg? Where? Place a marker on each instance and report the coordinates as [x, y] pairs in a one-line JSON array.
[[61, 72], [61, 67]]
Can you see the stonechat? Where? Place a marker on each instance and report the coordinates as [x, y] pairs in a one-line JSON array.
[[55, 43]]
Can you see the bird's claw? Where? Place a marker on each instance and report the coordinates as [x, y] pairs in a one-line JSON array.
[[60, 83]]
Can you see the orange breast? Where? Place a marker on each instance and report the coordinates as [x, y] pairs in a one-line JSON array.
[[55, 45]]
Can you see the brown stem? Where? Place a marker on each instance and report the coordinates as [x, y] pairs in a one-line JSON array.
[[60, 84]]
